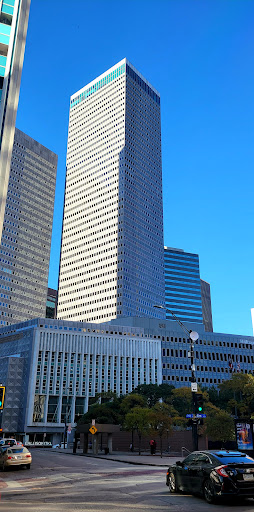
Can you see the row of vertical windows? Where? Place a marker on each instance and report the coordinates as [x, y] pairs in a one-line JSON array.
[[98, 85]]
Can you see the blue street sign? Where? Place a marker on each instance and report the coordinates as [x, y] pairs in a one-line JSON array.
[[196, 415]]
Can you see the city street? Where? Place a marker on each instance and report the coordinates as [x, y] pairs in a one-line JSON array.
[[59, 482]]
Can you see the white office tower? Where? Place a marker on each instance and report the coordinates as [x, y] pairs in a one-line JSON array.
[[112, 241], [27, 227], [13, 27]]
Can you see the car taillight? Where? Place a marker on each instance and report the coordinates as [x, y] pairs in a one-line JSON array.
[[28, 456], [221, 470], [9, 457]]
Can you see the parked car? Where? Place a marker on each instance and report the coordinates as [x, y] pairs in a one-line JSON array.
[[213, 474], [60, 445], [8, 441], [14, 456]]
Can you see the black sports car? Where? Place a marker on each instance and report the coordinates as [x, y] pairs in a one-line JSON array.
[[213, 473]]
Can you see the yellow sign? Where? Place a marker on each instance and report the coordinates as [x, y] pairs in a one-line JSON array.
[[93, 430]]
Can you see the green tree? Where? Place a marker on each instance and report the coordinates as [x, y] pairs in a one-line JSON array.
[[161, 421], [237, 394], [182, 401], [138, 419], [153, 393], [220, 425], [213, 395], [109, 412], [132, 400]]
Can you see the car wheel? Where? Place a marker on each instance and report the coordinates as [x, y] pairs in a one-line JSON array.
[[28, 466], [172, 486], [208, 490]]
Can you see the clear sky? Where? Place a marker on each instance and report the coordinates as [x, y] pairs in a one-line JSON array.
[[199, 54]]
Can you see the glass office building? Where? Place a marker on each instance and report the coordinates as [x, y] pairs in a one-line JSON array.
[[112, 262], [182, 285], [13, 27]]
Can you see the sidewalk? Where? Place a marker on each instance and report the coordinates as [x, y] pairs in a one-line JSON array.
[[129, 458]]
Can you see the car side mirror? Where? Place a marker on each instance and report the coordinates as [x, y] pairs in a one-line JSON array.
[[179, 463]]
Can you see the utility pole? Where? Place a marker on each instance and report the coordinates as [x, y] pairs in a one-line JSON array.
[[192, 336]]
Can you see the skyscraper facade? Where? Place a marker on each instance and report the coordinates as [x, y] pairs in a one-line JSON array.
[[182, 285], [112, 262], [51, 303], [13, 27], [206, 305], [27, 227]]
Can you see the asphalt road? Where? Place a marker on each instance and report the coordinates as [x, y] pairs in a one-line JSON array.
[[59, 482]]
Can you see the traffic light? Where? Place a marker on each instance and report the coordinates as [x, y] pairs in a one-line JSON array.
[[2, 392], [199, 403]]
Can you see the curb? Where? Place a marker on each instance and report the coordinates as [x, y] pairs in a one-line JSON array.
[[133, 462]]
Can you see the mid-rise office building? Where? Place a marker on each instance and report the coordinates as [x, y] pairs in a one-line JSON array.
[[13, 27], [182, 285], [27, 227], [216, 355], [112, 262], [60, 365]]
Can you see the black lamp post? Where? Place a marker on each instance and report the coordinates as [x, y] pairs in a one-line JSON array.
[[193, 336], [67, 410]]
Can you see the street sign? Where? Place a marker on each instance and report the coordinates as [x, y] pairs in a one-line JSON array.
[[194, 387], [93, 430], [93, 423], [196, 416]]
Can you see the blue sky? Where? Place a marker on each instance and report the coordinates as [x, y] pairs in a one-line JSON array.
[[199, 55]]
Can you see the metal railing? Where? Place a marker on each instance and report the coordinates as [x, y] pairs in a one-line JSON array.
[[185, 450]]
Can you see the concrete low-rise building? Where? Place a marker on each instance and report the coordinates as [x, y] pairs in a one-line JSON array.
[[216, 355], [52, 367]]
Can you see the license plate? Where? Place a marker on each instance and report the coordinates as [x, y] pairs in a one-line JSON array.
[[248, 477]]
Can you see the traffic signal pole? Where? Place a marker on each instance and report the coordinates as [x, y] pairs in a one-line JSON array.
[[194, 403], [2, 393], [193, 336]]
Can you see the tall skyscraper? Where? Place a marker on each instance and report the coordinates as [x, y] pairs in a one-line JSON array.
[[182, 285], [112, 262], [51, 303], [13, 27], [27, 227], [206, 305]]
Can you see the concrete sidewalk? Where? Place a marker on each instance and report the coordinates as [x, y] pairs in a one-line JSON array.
[[129, 458]]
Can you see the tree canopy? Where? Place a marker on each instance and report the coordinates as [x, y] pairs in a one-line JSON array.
[[155, 409]]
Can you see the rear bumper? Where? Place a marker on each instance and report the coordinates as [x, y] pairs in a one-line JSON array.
[[234, 492], [9, 463]]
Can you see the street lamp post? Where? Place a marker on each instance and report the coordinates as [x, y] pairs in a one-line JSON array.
[[66, 418], [193, 336]]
